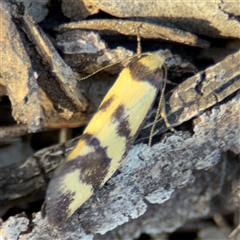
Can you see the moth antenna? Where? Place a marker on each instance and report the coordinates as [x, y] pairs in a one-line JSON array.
[[139, 54], [100, 69], [110, 65]]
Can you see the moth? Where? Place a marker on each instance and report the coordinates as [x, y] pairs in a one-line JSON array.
[[107, 138]]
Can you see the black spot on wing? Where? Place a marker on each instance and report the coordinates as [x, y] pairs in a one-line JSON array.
[[87, 137], [57, 202], [123, 128], [93, 166], [119, 112], [105, 104], [91, 140], [140, 72], [58, 205]]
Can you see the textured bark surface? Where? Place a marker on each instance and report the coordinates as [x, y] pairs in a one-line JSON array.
[[149, 176], [146, 30], [17, 71], [30, 63], [182, 177], [210, 18]]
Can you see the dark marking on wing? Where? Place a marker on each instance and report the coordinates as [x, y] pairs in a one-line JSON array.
[[105, 104], [119, 112], [87, 137], [123, 128], [94, 165], [61, 204], [90, 140], [139, 72], [58, 204]]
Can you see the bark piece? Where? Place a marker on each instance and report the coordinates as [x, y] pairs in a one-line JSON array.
[[78, 10], [146, 30], [203, 90], [149, 174], [210, 18], [186, 204], [17, 71], [37, 9], [31, 58], [13, 131], [86, 52], [3, 89], [66, 78]]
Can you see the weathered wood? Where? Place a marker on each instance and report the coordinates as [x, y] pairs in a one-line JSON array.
[[203, 90], [175, 180], [30, 64], [18, 73], [149, 174], [209, 18], [146, 30]]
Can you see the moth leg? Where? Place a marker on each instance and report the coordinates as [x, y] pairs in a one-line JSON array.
[[161, 111], [139, 48], [164, 116]]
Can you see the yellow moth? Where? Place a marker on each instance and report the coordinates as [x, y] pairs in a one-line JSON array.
[[107, 138]]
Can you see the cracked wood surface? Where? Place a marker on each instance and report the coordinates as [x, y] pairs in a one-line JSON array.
[[43, 90], [151, 176], [161, 187], [210, 18], [211, 97]]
